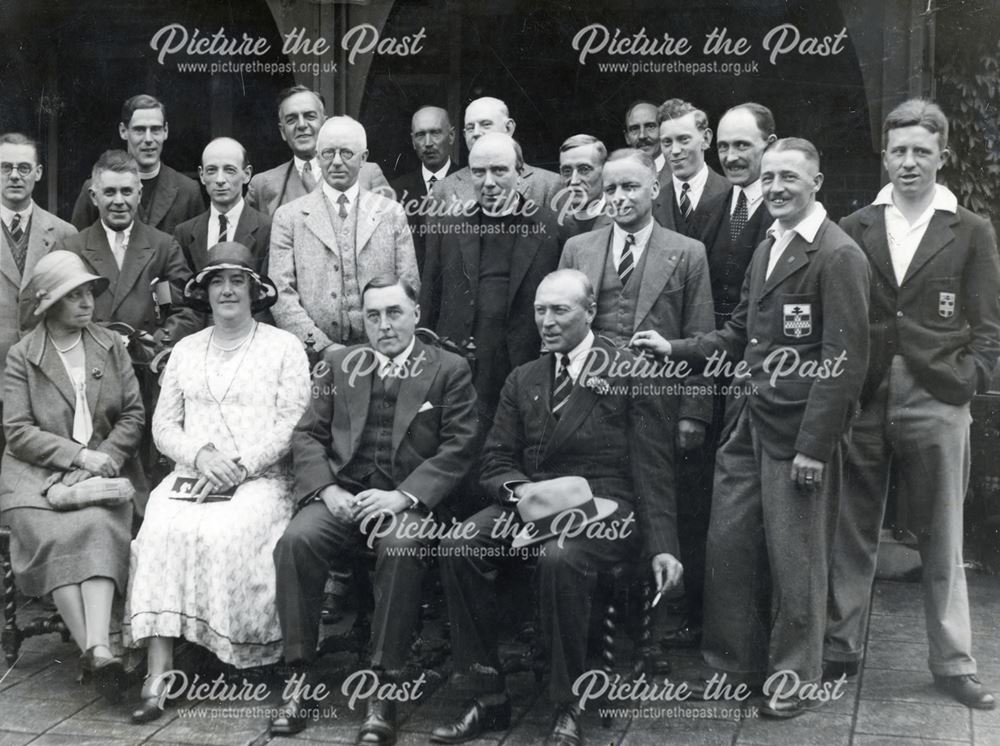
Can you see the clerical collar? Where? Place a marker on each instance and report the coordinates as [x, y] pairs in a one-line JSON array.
[[152, 175]]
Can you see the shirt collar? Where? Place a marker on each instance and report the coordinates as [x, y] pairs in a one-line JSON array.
[[313, 166], [696, 182], [752, 191], [641, 236], [660, 161], [440, 173], [944, 198], [578, 353], [233, 215], [808, 227], [334, 194], [110, 233], [384, 361], [6, 214]]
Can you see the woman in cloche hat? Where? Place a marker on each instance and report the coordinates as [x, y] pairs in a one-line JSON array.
[[71, 411]]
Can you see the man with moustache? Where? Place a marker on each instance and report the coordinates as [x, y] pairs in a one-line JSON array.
[[29, 232], [433, 136], [733, 230], [481, 270], [582, 207], [168, 197], [935, 337], [803, 310], [484, 115], [326, 246], [224, 170], [567, 429], [689, 189], [642, 132], [389, 434], [301, 114]]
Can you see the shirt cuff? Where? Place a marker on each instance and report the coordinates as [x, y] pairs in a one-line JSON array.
[[509, 486], [414, 502]]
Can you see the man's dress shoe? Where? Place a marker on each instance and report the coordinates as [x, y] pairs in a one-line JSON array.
[[565, 727], [967, 689], [291, 717], [475, 719], [379, 728]]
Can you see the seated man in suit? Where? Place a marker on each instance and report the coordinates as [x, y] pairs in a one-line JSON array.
[[563, 415], [387, 438], [28, 234], [734, 229], [801, 331], [326, 246], [224, 170], [484, 115], [581, 205], [642, 132], [689, 189], [168, 197], [432, 135], [301, 114], [145, 266]]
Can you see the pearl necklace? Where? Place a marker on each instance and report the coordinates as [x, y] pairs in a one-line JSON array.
[[242, 342], [63, 350]]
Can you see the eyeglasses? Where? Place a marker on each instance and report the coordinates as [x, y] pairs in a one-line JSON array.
[[22, 168], [330, 153]]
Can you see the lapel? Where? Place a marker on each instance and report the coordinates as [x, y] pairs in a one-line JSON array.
[[7, 266], [317, 218], [369, 216], [138, 254], [523, 254], [97, 357], [98, 254], [413, 392], [875, 244], [938, 235], [577, 408], [166, 193], [594, 257], [246, 228], [661, 261], [47, 360], [200, 245], [468, 245], [357, 404], [665, 202], [40, 237], [796, 256]]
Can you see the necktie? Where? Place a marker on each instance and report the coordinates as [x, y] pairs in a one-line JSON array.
[[685, 200], [563, 384], [342, 201], [627, 263], [15, 227], [738, 220], [119, 248], [308, 180], [223, 228], [431, 182], [17, 233]]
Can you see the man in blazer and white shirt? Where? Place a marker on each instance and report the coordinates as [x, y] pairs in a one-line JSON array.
[[327, 245], [301, 113], [689, 189], [29, 232], [169, 197], [801, 330], [935, 339], [391, 428]]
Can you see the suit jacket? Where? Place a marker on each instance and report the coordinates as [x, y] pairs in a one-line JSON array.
[[305, 260], [253, 231], [432, 445], [812, 310], [612, 439], [177, 198], [716, 187], [39, 402], [151, 256], [573, 227], [675, 298], [729, 260], [278, 186], [450, 285], [45, 230], [944, 318], [410, 191], [534, 183]]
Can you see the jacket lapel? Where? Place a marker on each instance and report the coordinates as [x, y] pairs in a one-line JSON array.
[[413, 393], [523, 254], [245, 230], [137, 255], [368, 219], [468, 245], [874, 242], [317, 219], [595, 257], [938, 235], [40, 238], [97, 357], [47, 360], [574, 412], [661, 262], [795, 257], [358, 397], [7, 266], [166, 193], [98, 254]]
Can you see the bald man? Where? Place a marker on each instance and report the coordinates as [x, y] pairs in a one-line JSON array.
[[224, 171], [489, 114], [433, 136], [326, 246]]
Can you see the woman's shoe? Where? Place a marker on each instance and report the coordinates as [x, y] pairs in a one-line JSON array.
[[108, 673], [83, 674], [149, 705]]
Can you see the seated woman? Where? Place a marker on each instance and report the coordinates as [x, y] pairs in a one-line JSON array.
[[230, 398], [72, 411]]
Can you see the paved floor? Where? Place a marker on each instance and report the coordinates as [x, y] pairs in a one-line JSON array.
[[892, 702]]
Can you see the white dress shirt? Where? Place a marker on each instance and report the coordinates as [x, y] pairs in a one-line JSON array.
[[314, 168], [755, 197], [696, 184], [111, 233], [334, 195], [618, 235], [807, 228], [7, 215], [232, 219], [903, 236], [386, 363], [426, 174], [660, 161]]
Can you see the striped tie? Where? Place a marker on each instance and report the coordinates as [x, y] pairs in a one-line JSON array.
[[563, 385], [685, 200], [627, 263]]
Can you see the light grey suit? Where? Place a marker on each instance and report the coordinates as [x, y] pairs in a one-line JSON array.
[[305, 260], [278, 186]]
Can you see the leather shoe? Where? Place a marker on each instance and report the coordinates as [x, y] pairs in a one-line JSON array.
[[967, 689], [107, 672], [688, 635], [565, 727], [475, 719], [833, 670], [788, 708], [379, 728], [291, 718]]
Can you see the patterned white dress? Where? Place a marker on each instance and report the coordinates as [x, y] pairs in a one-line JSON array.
[[204, 571]]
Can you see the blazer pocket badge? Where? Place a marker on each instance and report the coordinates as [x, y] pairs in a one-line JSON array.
[[946, 305], [425, 407], [798, 319]]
